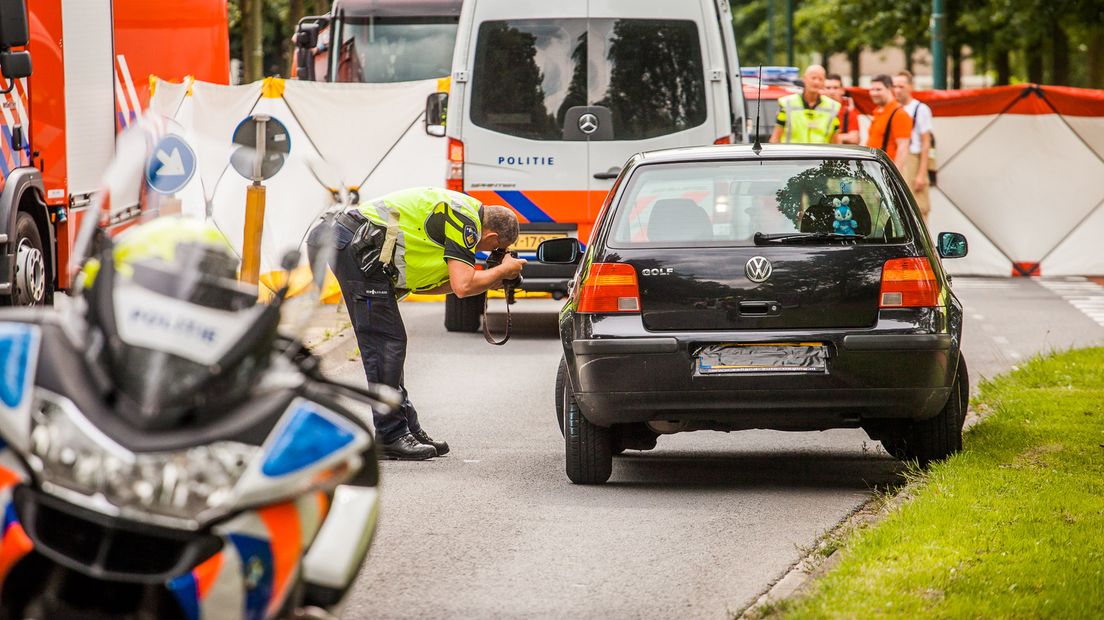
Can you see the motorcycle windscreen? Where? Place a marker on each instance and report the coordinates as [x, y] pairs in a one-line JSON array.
[[191, 340]]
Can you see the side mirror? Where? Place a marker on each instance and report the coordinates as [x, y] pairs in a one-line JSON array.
[[15, 65], [435, 112], [306, 40], [13, 24], [952, 245], [564, 251], [306, 36]]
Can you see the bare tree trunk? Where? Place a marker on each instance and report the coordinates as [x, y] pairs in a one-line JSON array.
[[253, 40], [1002, 63], [1096, 58], [1059, 53], [295, 13], [1034, 59], [853, 57], [956, 67], [908, 49]]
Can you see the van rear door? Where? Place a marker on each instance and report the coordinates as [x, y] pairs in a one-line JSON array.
[[657, 79], [526, 73]]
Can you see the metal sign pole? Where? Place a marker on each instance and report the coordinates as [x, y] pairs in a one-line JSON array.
[[255, 208]]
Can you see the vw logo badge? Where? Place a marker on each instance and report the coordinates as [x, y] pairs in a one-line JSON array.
[[758, 269], [588, 123]]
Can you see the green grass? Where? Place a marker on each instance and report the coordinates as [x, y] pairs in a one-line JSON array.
[[1013, 527]]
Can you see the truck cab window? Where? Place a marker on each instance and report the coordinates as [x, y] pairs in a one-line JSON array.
[[400, 49]]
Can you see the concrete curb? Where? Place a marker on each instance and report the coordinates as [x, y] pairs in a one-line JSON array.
[[801, 576]]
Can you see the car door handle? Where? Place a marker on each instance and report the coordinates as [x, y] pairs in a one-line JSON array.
[[608, 174]]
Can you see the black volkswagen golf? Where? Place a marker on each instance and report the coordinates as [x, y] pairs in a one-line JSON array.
[[792, 288]]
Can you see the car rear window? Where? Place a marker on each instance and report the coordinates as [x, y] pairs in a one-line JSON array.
[[725, 203], [528, 73]]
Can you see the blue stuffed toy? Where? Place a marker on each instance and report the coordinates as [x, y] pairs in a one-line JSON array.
[[843, 225]]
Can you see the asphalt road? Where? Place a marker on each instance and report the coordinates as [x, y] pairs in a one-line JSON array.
[[698, 527]]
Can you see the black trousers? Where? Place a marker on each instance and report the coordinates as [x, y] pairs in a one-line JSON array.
[[380, 333]]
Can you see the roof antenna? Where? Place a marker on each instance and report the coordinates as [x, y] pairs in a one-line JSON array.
[[758, 147]]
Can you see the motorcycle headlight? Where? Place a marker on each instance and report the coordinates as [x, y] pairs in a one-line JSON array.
[[174, 488]]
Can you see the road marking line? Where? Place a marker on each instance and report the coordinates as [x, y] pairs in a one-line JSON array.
[[1000, 340], [1084, 295]]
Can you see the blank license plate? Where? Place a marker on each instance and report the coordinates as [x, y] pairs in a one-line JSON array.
[[738, 358], [527, 242]]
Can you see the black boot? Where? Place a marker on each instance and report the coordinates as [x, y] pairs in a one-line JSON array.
[[407, 448], [440, 446]]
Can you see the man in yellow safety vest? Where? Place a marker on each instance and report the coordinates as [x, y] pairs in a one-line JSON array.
[[808, 117]]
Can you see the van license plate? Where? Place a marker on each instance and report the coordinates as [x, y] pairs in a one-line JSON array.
[[808, 357], [528, 242]]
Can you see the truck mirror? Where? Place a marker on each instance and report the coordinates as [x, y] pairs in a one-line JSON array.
[[306, 37], [435, 113], [304, 64], [15, 65], [306, 41], [13, 24]]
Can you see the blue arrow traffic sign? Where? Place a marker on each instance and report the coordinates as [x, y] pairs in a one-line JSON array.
[[172, 165]]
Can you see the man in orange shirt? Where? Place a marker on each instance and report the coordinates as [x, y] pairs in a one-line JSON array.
[[848, 115], [891, 128]]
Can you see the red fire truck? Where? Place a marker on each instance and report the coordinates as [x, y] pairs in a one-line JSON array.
[[92, 61]]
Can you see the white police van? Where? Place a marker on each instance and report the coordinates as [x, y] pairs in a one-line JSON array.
[[549, 99]]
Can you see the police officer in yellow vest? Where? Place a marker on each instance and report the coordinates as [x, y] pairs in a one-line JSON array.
[[808, 117], [421, 240]]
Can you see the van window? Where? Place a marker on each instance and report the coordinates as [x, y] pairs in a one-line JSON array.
[[649, 74], [528, 73], [713, 204], [395, 49]]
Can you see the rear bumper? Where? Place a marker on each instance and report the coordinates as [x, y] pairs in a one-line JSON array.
[[640, 376]]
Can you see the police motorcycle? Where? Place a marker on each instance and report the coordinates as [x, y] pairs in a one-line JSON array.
[[169, 450]]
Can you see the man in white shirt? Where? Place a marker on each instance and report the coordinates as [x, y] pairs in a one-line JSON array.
[[919, 159]]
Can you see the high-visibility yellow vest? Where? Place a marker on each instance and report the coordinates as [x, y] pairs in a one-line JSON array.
[[804, 125]]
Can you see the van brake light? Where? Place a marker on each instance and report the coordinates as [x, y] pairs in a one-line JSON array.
[[723, 140], [454, 179], [609, 288], [909, 283]]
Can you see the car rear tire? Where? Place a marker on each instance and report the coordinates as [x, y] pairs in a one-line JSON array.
[[938, 437], [561, 381], [462, 314], [587, 447]]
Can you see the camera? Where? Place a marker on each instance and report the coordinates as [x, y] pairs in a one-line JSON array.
[[509, 286]]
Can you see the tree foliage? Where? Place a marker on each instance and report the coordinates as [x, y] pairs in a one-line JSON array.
[[1057, 41]]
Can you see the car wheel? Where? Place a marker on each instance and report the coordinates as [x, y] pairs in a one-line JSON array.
[[938, 437], [587, 447], [561, 381], [462, 314], [30, 286]]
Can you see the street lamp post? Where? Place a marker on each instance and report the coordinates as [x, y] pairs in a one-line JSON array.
[[938, 46], [789, 33]]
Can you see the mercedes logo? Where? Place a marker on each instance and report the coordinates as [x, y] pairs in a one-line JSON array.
[[588, 123], [758, 269]]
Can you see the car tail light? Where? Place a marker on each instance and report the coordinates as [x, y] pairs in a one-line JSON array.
[[723, 140], [909, 283], [454, 180], [609, 288]]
